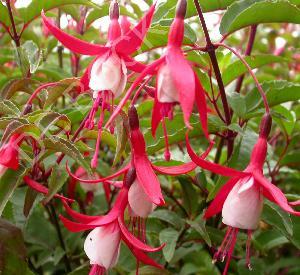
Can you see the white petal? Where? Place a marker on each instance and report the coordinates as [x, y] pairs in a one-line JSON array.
[[242, 207], [139, 202], [166, 89], [107, 74], [123, 80], [102, 245]]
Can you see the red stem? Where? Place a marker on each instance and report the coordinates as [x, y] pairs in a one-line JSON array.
[[247, 53]]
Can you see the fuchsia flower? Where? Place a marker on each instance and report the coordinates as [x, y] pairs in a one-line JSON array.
[[9, 154], [176, 82], [241, 198], [103, 242], [107, 73], [146, 178]]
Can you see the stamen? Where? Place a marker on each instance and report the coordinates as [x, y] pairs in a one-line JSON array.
[[224, 242], [231, 249], [167, 150], [94, 161], [248, 252], [228, 244]]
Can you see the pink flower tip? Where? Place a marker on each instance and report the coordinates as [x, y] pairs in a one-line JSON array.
[[265, 126], [133, 118], [181, 9], [114, 12]]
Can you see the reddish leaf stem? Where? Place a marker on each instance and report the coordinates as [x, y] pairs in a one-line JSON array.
[[247, 53], [16, 37]]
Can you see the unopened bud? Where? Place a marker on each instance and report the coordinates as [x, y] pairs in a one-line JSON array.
[[114, 12], [265, 126], [181, 9], [129, 177], [150, 91], [133, 118], [28, 109]]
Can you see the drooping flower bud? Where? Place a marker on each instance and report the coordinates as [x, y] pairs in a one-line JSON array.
[[242, 207], [139, 201], [114, 11], [133, 118], [102, 245], [181, 9], [265, 126], [129, 177]]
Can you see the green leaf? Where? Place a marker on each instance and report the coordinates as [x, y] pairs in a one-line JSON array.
[[169, 236], [13, 250], [63, 87], [7, 107], [277, 92], [26, 85], [274, 215], [17, 127], [199, 226], [237, 103], [189, 194], [237, 68], [102, 11], [65, 146], [8, 183], [270, 239], [167, 9], [177, 130], [57, 179], [33, 55], [169, 217], [257, 267], [50, 119], [251, 12], [33, 10]]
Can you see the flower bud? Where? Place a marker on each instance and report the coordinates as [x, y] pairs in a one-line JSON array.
[[130, 177], [265, 126], [181, 9], [114, 10], [133, 118], [28, 109]]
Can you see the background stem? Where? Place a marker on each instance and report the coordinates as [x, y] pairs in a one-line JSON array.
[[211, 50]]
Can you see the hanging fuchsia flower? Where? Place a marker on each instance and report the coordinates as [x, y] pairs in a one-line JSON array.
[[103, 242], [241, 199], [9, 153], [177, 83], [146, 178], [107, 73]]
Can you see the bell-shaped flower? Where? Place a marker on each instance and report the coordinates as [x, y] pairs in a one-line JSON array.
[[240, 199], [9, 153], [177, 83], [146, 178], [243, 205], [107, 73], [112, 224], [139, 203], [102, 246]]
